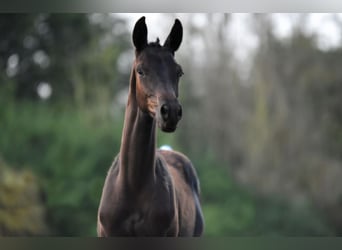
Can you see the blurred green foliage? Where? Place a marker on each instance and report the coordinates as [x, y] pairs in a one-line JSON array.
[[75, 54], [22, 208], [231, 210], [71, 152]]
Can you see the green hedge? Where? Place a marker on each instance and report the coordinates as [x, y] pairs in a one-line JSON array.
[[70, 150]]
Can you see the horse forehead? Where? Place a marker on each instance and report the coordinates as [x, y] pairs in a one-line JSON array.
[[157, 56]]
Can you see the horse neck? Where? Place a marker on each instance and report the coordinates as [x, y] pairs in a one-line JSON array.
[[138, 143]]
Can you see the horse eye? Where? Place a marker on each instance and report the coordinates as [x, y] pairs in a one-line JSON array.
[[140, 72]]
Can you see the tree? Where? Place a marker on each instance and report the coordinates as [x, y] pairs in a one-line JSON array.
[[73, 54]]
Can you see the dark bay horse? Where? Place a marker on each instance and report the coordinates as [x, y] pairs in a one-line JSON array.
[[150, 192]]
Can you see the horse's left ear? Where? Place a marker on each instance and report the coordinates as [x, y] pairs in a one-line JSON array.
[[174, 39]]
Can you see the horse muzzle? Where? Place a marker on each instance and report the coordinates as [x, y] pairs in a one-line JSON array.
[[169, 114]]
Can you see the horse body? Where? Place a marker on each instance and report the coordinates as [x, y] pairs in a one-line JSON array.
[[149, 192]]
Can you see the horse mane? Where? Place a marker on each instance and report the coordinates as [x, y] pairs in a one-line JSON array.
[[155, 44]]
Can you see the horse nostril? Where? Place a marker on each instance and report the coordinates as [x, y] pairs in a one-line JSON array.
[[164, 111], [180, 112]]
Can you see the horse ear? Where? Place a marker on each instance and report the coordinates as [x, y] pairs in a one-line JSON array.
[[140, 34], [174, 39]]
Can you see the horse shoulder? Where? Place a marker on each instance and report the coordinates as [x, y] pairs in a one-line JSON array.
[[187, 191], [164, 211], [110, 201], [182, 164]]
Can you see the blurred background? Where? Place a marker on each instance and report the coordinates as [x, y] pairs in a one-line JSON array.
[[262, 123]]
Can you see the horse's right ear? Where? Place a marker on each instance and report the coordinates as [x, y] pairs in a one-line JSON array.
[[140, 34]]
